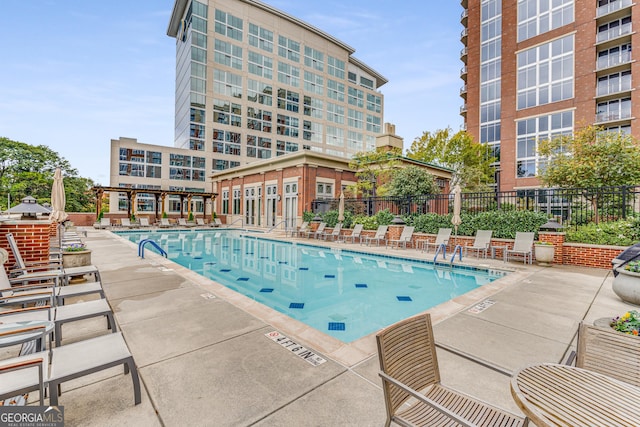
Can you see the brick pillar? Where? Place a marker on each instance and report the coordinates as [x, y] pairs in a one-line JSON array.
[[32, 239], [394, 232], [557, 240]]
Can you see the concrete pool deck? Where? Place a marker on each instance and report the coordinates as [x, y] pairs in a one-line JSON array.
[[204, 358]]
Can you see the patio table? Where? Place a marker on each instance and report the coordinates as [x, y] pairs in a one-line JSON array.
[[561, 395]]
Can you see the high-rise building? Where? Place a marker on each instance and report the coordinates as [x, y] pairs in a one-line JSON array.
[[536, 69], [253, 82]]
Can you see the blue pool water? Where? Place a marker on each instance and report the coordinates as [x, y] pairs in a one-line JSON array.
[[345, 294]]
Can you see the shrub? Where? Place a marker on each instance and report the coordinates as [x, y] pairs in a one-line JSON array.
[[372, 222], [619, 233], [190, 216]]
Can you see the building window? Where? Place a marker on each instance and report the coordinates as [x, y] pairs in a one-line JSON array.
[[355, 97], [312, 131], [373, 123], [226, 142], [226, 83], [259, 92], [289, 49], [530, 132], [612, 29], [227, 113], [335, 67], [368, 83], [260, 37], [287, 126], [258, 147], [288, 100], [284, 147], [324, 190], [374, 103], [225, 202], [335, 113], [313, 83], [313, 107], [354, 141], [615, 109], [335, 136], [228, 25], [260, 65], [613, 56], [545, 73], [236, 202], [356, 119], [288, 74], [228, 54], [614, 83], [540, 16], [313, 58], [335, 90], [258, 119]]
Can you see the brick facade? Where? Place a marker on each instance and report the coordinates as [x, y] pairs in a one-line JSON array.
[[32, 239]]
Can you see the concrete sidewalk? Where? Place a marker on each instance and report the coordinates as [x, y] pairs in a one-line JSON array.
[[204, 358]]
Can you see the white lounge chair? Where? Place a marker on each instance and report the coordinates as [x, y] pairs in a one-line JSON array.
[[441, 239], [335, 233], [481, 244], [304, 227], [319, 231], [103, 224], [49, 291], [125, 222], [144, 222], [62, 315], [216, 222], [405, 238], [183, 223], [522, 246], [46, 270], [164, 223], [355, 234], [379, 236], [200, 222], [50, 369]]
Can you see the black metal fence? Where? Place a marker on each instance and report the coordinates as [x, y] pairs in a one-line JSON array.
[[570, 206]]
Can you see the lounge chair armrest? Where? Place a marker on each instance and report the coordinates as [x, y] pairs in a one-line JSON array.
[[421, 397], [25, 310], [38, 284], [7, 298], [571, 358]]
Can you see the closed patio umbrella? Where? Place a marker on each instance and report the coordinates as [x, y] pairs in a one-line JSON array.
[[341, 207], [456, 220], [58, 198]]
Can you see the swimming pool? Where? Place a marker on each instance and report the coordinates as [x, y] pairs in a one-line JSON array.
[[344, 293]]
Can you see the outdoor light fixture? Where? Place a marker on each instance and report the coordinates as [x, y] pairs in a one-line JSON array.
[[397, 220]]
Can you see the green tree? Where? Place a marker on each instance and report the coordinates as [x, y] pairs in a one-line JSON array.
[[374, 171], [412, 181], [470, 161], [591, 158], [27, 170]]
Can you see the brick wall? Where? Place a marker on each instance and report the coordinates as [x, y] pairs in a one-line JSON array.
[[32, 239], [598, 256]]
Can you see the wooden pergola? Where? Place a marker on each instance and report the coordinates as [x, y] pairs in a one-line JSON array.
[[160, 196]]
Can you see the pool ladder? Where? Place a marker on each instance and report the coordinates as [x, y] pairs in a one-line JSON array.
[[443, 247], [142, 244]]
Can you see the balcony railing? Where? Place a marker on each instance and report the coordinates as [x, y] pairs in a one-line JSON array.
[[612, 116], [610, 88], [613, 6], [615, 32], [464, 33], [464, 15], [613, 60]]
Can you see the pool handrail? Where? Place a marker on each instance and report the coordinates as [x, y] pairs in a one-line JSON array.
[[143, 242], [276, 225]]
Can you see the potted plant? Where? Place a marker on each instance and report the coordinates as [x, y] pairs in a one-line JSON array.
[[628, 323], [627, 283], [544, 252], [76, 255]]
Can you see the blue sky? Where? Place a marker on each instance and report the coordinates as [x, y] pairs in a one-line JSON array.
[[76, 74]]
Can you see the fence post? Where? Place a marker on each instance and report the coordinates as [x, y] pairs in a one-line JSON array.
[[624, 201]]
